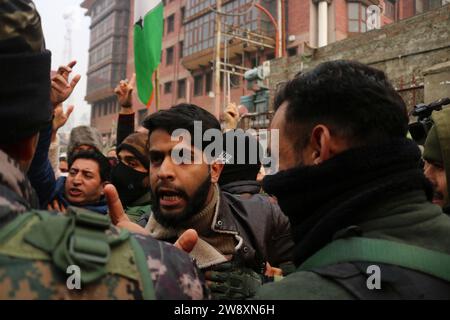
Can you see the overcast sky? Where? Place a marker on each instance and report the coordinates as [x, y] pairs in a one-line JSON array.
[[54, 26]]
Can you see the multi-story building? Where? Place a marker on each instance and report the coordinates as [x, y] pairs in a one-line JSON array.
[[308, 22], [188, 51], [107, 60]]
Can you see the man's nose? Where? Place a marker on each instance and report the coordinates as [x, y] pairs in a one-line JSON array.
[[166, 169], [77, 180]]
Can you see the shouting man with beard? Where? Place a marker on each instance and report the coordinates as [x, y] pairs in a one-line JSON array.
[[237, 236]]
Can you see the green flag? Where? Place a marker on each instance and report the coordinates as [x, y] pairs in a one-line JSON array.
[[148, 32]]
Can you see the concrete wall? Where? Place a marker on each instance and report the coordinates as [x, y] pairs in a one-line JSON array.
[[404, 50]]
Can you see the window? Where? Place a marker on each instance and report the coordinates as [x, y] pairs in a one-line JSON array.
[[168, 87], [181, 92], [235, 81], [292, 51], [171, 23], [180, 49], [208, 82], [198, 85], [142, 114], [182, 11], [169, 56], [356, 17], [270, 56], [389, 9]]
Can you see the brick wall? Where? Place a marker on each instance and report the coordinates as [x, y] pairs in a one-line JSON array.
[[403, 50]]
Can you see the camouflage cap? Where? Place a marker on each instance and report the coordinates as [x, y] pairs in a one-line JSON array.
[[20, 27], [25, 105]]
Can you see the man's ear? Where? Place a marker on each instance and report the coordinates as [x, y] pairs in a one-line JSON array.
[[23, 151], [216, 170], [321, 144], [103, 185]]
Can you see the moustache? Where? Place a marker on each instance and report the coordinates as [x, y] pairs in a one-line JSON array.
[[170, 189]]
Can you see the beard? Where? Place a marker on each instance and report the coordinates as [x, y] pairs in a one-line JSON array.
[[193, 206]]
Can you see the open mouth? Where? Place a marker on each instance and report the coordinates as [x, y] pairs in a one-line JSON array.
[[169, 197], [74, 192]]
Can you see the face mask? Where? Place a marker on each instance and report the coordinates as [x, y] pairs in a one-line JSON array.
[[129, 183]]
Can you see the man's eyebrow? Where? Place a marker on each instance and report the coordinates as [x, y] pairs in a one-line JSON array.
[[129, 158], [87, 171]]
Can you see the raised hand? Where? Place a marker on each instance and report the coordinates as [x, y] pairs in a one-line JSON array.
[[117, 214], [61, 87], [124, 92], [231, 116], [60, 117]]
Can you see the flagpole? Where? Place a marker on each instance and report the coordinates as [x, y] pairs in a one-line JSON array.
[[157, 89], [217, 64]]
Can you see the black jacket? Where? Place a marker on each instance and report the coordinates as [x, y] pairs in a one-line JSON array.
[[264, 229], [262, 225]]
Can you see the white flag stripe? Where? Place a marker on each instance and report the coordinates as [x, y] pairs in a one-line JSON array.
[[142, 7]]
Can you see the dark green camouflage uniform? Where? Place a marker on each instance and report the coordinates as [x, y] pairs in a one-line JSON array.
[[173, 273], [30, 271]]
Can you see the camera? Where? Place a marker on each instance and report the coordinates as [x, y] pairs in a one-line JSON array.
[[419, 130]]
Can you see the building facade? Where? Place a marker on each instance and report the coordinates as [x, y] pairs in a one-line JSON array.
[[186, 72], [108, 57]]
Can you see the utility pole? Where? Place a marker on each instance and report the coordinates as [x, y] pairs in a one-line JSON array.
[[67, 57], [280, 28], [217, 64]]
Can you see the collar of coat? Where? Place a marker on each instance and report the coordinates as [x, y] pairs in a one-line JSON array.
[[222, 223]]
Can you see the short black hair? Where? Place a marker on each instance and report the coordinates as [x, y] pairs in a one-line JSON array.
[[181, 116], [355, 100], [102, 161]]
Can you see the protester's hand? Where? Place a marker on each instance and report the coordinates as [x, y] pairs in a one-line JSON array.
[[124, 92], [231, 116], [60, 117], [56, 206], [187, 240], [117, 214], [230, 282], [61, 87]]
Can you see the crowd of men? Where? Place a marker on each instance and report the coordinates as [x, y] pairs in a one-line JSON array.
[[352, 192]]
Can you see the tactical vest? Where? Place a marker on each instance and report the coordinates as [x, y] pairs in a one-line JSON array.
[[406, 271], [80, 238]]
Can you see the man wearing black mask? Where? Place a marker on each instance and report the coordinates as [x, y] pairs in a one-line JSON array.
[[130, 175]]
